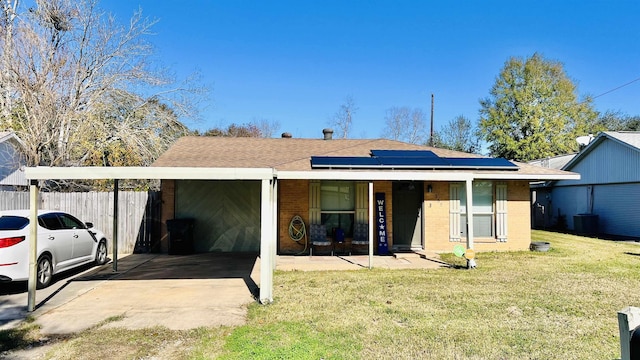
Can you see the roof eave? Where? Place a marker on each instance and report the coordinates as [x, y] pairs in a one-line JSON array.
[[151, 173], [364, 175], [378, 175], [529, 177]]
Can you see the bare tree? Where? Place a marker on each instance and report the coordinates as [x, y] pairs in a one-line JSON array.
[[75, 83], [234, 130], [458, 134], [267, 127], [343, 118], [405, 124], [7, 19]]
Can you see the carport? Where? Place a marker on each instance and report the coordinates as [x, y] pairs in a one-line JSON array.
[[268, 206]]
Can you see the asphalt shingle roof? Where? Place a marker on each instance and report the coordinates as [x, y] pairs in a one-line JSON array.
[[630, 137], [290, 154]]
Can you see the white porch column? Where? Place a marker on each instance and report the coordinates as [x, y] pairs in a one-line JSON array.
[[274, 216], [266, 248], [371, 223], [33, 246], [469, 187]]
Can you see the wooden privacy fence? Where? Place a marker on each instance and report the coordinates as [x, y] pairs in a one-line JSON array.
[[138, 214]]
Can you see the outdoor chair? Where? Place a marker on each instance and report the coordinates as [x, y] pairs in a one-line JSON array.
[[360, 235], [318, 237], [338, 239]]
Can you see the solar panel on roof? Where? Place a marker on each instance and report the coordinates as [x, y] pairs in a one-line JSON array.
[[482, 163], [412, 161], [403, 153], [431, 162], [343, 162]]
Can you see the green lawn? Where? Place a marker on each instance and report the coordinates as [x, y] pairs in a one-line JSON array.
[[519, 305]]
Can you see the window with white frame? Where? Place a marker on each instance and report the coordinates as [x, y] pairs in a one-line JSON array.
[[489, 209], [482, 209], [338, 203]]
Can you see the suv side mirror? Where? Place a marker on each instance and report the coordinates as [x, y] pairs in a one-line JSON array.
[[89, 225]]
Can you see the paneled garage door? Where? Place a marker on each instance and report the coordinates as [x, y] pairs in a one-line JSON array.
[[226, 213]]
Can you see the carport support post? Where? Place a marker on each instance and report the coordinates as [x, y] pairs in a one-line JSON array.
[[274, 220], [266, 252], [115, 224], [33, 246]]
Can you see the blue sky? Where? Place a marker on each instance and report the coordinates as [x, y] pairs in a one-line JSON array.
[[295, 62]]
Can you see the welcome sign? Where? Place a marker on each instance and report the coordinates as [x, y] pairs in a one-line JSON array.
[[381, 224]]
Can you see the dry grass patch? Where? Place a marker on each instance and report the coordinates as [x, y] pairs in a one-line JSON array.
[[561, 304]]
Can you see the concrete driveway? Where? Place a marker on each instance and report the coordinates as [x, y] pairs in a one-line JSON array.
[[179, 292]]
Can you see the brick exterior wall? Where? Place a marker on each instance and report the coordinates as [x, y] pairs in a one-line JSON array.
[[518, 221], [293, 199], [435, 219]]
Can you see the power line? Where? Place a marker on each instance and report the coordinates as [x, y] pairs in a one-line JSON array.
[[617, 88]]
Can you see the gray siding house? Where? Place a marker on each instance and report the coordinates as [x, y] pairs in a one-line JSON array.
[[11, 162], [606, 198]]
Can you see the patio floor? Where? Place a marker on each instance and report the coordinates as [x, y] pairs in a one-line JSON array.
[[420, 260]]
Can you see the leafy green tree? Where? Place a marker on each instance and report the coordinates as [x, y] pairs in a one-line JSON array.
[[616, 121], [458, 134], [533, 111]]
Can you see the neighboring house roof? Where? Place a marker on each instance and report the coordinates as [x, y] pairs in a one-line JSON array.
[[629, 139], [4, 135], [554, 162], [16, 178], [10, 135], [290, 154], [11, 160]]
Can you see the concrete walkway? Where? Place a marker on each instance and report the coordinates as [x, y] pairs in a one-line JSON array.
[[178, 292]]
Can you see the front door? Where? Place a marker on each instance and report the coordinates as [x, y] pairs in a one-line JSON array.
[[407, 217]]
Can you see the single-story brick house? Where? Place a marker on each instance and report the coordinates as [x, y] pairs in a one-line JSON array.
[[245, 193], [331, 182]]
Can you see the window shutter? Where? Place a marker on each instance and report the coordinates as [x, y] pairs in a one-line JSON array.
[[501, 212], [362, 200], [454, 212], [314, 202]]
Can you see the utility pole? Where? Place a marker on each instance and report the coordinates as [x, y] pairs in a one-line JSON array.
[[431, 137]]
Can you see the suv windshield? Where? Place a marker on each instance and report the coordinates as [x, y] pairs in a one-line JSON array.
[[9, 222]]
